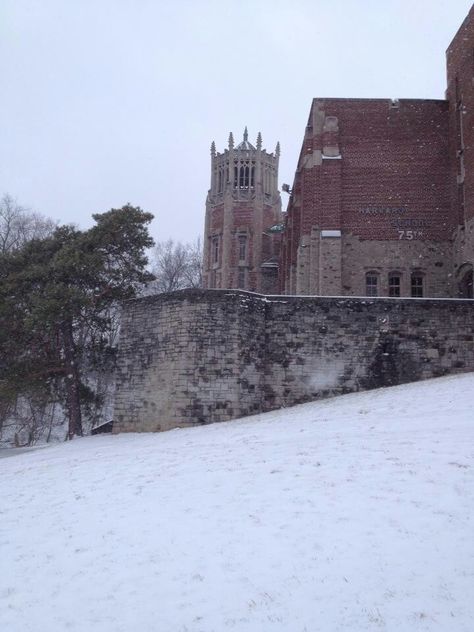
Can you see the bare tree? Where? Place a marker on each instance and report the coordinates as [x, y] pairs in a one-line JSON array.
[[34, 421], [193, 274], [176, 266], [18, 225]]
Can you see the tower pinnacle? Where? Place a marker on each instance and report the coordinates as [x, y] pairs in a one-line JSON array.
[[246, 134]]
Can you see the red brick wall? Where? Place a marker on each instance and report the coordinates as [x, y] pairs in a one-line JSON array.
[[217, 220], [393, 173], [243, 223], [392, 182], [460, 93]]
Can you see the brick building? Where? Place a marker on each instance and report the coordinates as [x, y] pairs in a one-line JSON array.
[[243, 216], [383, 197], [460, 96]]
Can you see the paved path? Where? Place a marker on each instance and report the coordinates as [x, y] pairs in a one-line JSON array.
[[7, 452]]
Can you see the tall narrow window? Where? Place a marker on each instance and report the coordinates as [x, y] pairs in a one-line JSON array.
[[242, 247], [417, 285], [244, 177], [241, 279], [371, 284], [215, 250], [213, 279], [394, 283], [220, 187]]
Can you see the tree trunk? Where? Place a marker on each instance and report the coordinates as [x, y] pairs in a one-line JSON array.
[[72, 380]]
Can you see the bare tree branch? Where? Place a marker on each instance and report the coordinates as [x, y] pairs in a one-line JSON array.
[[176, 266], [19, 225]]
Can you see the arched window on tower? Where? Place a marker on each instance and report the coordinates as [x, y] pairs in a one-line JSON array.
[[244, 175]]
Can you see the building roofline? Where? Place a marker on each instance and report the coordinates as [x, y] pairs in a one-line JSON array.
[[468, 18], [379, 99]]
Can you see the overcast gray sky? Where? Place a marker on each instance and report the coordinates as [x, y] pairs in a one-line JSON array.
[[106, 102]]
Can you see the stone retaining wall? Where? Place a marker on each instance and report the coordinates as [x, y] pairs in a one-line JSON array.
[[200, 356]]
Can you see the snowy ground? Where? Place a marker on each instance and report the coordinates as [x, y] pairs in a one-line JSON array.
[[350, 514]]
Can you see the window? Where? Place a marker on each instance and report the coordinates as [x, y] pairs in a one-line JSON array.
[[266, 181], [213, 279], [241, 281], [394, 284], [417, 285], [371, 284], [242, 247], [465, 285], [215, 250], [244, 178], [244, 175]]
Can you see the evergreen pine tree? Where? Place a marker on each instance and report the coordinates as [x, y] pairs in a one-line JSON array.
[[56, 296]]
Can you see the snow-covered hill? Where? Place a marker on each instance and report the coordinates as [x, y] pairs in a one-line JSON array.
[[350, 514]]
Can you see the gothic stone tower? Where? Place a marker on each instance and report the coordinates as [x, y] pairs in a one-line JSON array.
[[243, 214]]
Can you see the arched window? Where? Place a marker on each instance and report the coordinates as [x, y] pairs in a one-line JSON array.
[[372, 284], [417, 284], [465, 281], [394, 284], [244, 174]]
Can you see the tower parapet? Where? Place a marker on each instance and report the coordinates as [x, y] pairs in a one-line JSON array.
[[244, 171], [243, 204]]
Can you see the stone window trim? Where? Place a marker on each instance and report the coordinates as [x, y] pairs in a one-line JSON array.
[[372, 283], [417, 282], [242, 245], [394, 283], [215, 250], [244, 174]]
